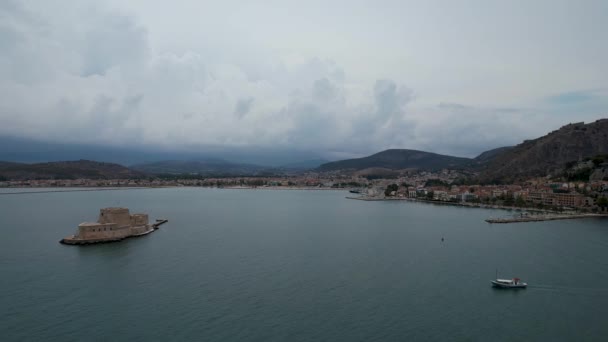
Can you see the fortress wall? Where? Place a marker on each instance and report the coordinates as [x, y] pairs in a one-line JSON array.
[[140, 229], [120, 216], [139, 219], [102, 231]]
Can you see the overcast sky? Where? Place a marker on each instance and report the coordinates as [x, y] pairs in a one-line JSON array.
[[340, 78]]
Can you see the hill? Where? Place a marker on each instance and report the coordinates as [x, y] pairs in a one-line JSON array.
[[488, 156], [304, 165], [397, 159], [66, 170], [549, 154]]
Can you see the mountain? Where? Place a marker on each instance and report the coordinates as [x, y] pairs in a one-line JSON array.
[[211, 166], [305, 165], [397, 159], [7, 164], [66, 170], [26, 150], [548, 154], [490, 155]]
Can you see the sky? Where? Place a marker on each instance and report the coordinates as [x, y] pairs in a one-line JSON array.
[[336, 78]]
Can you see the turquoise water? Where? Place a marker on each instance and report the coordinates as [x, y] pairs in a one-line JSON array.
[[256, 265]]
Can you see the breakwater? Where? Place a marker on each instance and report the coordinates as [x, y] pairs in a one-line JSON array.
[[540, 218], [457, 204], [542, 214]]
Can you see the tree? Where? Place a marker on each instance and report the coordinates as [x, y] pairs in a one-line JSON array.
[[597, 161], [256, 182], [430, 195], [391, 188], [435, 182], [520, 202], [602, 202]]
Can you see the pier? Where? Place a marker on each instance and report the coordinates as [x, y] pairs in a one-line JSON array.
[[159, 222]]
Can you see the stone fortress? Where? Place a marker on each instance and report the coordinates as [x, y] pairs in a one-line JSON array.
[[114, 224]]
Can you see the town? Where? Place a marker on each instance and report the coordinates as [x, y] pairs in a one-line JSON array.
[[445, 186]]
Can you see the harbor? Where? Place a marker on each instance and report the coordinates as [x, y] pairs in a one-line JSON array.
[[259, 245], [541, 218], [530, 215]]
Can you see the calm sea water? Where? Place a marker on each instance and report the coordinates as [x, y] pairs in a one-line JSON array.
[[255, 265]]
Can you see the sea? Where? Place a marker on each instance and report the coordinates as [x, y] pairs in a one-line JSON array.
[[295, 265]]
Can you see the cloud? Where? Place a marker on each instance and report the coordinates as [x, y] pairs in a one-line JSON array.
[[572, 97], [323, 90], [576, 105], [389, 99], [123, 92], [468, 130], [243, 106], [100, 72], [113, 39]]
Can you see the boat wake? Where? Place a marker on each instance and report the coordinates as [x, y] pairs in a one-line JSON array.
[[590, 291]]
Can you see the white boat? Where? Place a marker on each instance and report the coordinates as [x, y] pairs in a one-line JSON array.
[[514, 283]]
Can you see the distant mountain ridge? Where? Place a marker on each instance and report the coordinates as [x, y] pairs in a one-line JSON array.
[[28, 150], [548, 154], [538, 157], [396, 159], [66, 170], [305, 164]]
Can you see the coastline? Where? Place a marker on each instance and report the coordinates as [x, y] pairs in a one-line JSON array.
[[278, 188], [549, 215], [78, 189], [543, 218], [457, 204]]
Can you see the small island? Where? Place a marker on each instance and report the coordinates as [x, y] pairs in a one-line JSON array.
[[114, 224]]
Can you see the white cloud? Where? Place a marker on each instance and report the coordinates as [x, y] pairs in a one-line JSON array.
[[234, 75]]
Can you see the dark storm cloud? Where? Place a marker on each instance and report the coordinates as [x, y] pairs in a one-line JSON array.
[[243, 106]]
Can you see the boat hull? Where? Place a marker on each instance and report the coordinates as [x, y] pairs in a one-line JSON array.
[[501, 285]]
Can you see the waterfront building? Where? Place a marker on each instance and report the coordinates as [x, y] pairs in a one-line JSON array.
[[556, 199]]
